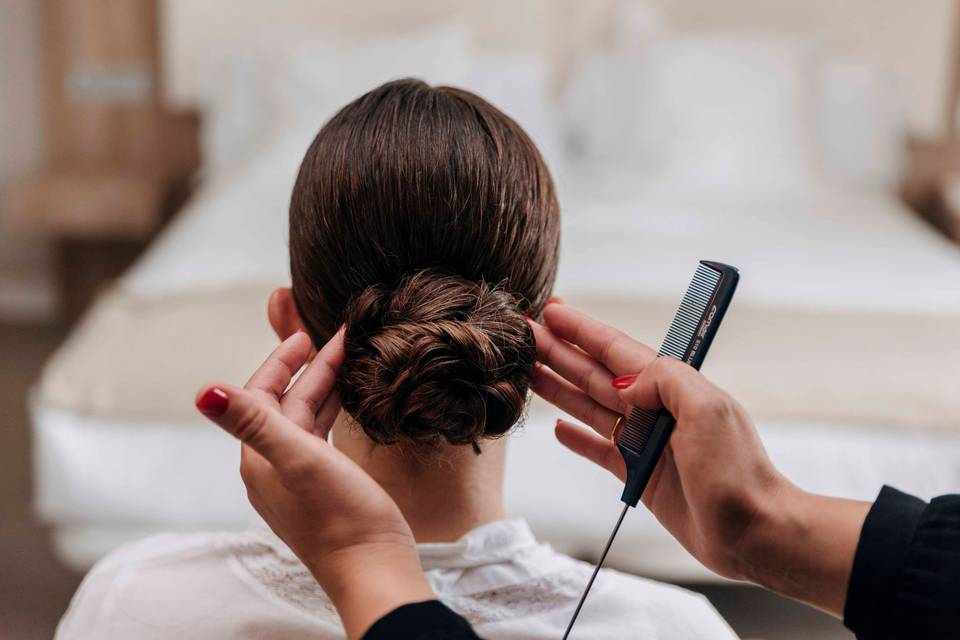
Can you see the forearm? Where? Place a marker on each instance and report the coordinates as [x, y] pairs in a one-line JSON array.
[[803, 547], [366, 584]]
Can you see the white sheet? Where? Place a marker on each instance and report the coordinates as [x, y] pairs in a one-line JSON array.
[[830, 249], [104, 483]]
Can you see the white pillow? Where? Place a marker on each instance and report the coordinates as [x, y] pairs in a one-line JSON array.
[[320, 78], [235, 109], [297, 81], [730, 113], [861, 118], [601, 108], [603, 98]]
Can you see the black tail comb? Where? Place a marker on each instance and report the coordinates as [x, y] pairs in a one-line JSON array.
[[645, 433]]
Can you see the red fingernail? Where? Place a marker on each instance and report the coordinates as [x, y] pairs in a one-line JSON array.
[[622, 382], [213, 403]]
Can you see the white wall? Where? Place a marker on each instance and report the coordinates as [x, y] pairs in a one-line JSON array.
[[24, 281]]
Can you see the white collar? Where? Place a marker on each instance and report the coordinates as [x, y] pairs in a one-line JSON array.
[[490, 543], [493, 542]]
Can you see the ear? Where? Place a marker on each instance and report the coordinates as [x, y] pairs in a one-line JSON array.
[[282, 313]]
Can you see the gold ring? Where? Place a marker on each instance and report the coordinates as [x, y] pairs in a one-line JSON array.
[[616, 430]]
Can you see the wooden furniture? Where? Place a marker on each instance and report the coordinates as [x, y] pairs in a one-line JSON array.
[[949, 190], [117, 161], [931, 186]]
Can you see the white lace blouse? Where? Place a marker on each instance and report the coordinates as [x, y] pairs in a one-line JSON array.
[[250, 585]]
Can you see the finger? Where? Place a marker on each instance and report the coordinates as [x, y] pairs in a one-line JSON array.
[[576, 366], [614, 349], [563, 395], [594, 448], [327, 415], [255, 423], [270, 380], [667, 382], [303, 401]]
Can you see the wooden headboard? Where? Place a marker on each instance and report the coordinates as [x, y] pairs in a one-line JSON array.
[[915, 40]]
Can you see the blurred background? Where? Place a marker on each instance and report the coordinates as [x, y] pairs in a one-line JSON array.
[[146, 161]]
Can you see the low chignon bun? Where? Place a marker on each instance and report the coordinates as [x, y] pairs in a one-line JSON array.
[[436, 357]]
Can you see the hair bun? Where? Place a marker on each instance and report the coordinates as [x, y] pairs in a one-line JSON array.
[[438, 357]]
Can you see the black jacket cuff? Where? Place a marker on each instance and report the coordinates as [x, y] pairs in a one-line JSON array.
[[879, 563], [430, 620]]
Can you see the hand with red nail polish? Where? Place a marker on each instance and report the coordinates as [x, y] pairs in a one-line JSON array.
[[342, 524], [714, 489]]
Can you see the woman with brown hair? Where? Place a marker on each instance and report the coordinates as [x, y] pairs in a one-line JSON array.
[[424, 222]]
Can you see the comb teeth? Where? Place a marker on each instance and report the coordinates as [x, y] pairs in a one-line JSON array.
[[637, 428], [691, 312], [693, 308]]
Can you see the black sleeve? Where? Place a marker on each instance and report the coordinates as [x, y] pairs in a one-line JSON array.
[[905, 581], [430, 620]]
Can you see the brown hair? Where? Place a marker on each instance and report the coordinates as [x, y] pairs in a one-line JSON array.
[[426, 220]]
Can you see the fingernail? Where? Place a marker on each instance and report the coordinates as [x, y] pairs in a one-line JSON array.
[[527, 318], [622, 382], [554, 300], [213, 403]]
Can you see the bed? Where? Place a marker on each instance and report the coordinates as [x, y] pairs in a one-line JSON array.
[[839, 341]]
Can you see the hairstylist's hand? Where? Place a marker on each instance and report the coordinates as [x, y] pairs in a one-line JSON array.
[[715, 490], [336, 518]]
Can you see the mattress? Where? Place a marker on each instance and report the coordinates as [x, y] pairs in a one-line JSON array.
[[103, 483], [142, 358]]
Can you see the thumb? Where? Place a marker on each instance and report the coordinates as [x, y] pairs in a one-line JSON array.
[[664, 382], [254, 422]]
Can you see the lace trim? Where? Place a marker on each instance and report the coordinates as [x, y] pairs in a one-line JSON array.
[[287, 578], [547, 593], [283, 577]]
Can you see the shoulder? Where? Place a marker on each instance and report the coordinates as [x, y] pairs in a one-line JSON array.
[[153, 555], [667, 610], [140, 585], [537, 588], [650, 608]]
